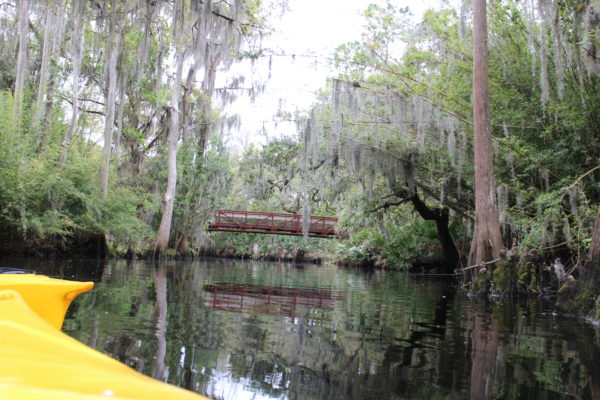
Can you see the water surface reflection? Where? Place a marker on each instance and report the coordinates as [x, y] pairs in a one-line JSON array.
[[277, 300], [239, 330]]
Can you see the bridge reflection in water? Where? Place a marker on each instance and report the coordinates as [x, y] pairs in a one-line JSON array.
[[272, 223], [275, 300]]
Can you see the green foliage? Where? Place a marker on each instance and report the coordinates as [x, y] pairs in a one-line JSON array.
[[122, 218], [270, 246], [564, 215], [406, 244], [251, 55], [504, 278], [46, 206], [541, 147], [158, 98]]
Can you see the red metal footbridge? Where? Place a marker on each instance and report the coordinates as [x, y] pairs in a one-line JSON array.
[[271, 223]]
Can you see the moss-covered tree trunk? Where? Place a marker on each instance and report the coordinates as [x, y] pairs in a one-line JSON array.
[[593, 260], [43, 80], [77, 49], [164, 230], [109, 118], [21, 60]]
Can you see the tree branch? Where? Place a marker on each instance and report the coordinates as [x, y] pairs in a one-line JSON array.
[[483, 264], [315, 167], [93, 101], [84, 109], [36, 33], [389, 204], [218, 14]]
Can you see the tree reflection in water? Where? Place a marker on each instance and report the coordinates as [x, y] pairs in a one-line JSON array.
[[327, 333], [484, 348], [160, 285]]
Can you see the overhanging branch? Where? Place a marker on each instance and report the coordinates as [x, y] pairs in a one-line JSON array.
[[389, 204]]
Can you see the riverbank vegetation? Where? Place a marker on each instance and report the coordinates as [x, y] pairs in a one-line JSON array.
[[113, 139], [109, 130]]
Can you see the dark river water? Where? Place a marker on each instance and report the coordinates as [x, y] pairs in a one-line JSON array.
[[254, 330]]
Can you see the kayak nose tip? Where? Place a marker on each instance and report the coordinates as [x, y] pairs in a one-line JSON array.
[[83, 287]]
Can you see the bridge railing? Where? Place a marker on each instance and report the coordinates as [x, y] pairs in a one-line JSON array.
[[276, 223]]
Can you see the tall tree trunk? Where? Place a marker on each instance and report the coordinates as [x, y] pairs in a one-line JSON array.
[[164, 230], [143, 49], [208, 87], [121, 109], [185, 98], [181, 244], [109, 120], [43, 84], [21, 61], [441, 218], [58, 30], [158, 73], [205, 105], [77, 42], [487, 240]]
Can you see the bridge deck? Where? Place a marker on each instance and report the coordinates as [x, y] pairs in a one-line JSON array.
[[271, 223]]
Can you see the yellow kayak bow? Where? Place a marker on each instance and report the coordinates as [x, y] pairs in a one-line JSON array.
[[47, 297], [38, 361]]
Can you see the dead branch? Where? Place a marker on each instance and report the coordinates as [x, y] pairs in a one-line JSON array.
[[483, 264]]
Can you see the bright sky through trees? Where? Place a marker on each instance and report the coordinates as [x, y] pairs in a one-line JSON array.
[[302, 43]]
